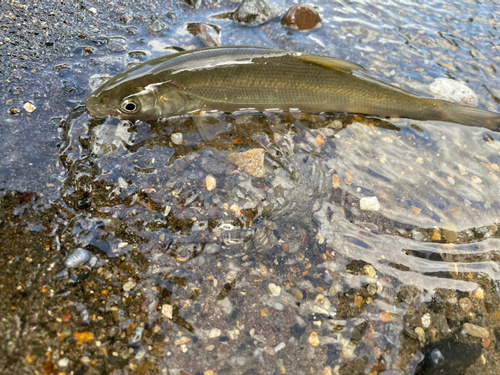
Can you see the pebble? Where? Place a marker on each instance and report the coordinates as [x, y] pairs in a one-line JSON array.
[[297, 294], [156, 25], [210, 182], [476, 180], [129, 285], [14, 110], [214, 332], [77, 258], [369, 270], [369, 204], [208, 35], [348, 349], [298, 331], [93, 10], [29, 107], [274, 289], [478, 293], [176, 138], [449, 232], [278, 347], [465, 304], [301, 17], [454, 91], [251, 161], [426, 320], [313, 339], [256, 12], [116, 44], [420, 333], [167, 311], [485, 342], [476, 331], [63, 362]]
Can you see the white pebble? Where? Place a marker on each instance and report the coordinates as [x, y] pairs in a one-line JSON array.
[[214, 332], [426, 320], [77, 258], [176, 138], [278, 347], [129, 285], [274, 289], [63, 362], [167, 311], [369, 204], [449, 89]]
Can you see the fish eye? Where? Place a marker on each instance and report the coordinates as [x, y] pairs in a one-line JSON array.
[[130, 106]]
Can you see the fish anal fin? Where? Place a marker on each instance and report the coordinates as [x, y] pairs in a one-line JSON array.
[[330, 62]]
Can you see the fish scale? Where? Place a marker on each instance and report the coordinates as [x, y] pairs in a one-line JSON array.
[[233, 78]]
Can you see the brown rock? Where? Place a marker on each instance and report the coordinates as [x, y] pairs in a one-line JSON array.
[[251, 161], [313, 339], [301, 17]]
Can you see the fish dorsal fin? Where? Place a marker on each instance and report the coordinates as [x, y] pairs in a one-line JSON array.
[[330, 62]]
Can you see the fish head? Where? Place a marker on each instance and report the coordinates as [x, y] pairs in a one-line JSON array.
[[138, 102]]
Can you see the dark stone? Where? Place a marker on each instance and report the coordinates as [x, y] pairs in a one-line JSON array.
[[448, 357], [302, 17], [298, 331], [256, 12]]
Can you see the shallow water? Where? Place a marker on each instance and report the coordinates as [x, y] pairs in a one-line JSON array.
[[276, 269]]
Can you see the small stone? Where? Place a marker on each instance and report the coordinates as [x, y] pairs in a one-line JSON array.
[[209, 348], [14, 110], [182, 341], [167, 311], [436, 236], [251, 161], [476, 331], [176, 138], [313, 339], [301, 17], [210, 182], [264, 312], [465, 304], [63, 362], [129, 285], [454, 91], [208, 35], [116, 44], [278, 347], [214, 332], [369, 204], [485, 342], [478, 293], [77, 258], [369, 270], [335, 181], [320, 141], [420, 160], [476, 180], [449, 232], [297, 294], [348, 349], [420, 333], [426, 320], [256, 12], [298, 331], [358, 301], [29, 107], [327, 371], [93, 10], [274, 289]]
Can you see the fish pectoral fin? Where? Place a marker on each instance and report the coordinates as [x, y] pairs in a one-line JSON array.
[[330, 62]]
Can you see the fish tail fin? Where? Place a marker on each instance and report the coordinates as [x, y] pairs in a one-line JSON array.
[[471, 116]]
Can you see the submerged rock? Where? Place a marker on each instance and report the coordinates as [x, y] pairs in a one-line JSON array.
[[448, 357], [256, 12], [454, 91], [301, 17], [251, 161]]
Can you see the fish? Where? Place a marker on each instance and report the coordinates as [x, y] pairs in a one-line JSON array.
[[232, 79]]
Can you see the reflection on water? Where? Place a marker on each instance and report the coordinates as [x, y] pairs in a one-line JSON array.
[[241, 239]]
